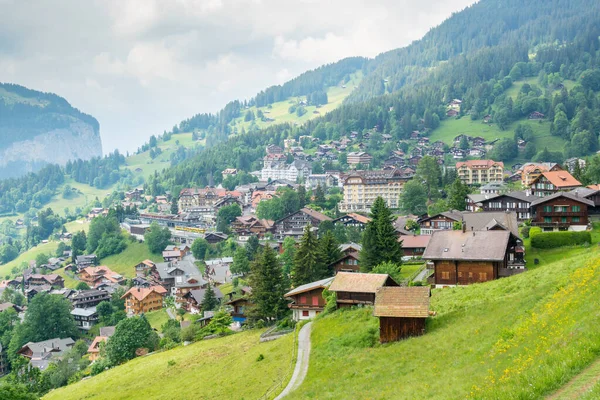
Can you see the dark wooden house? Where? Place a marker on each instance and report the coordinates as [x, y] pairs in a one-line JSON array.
[[349, 262], [215, 237], [592, 193], [414, 245], [240, 307], [354, 288], [518, 202], [439, 222], [353, 220], [463, 258], [293, 224], [307, 300], [561, 212], [402, 312], [552, 182]]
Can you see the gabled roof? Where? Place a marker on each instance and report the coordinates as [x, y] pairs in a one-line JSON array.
[[353, 246], [559, 179], [471, 246], [521, 195], [403, 302], [198, 294], [356, 282], [95, 346], [414, 241], [584, 191], [453, 215], [483, 221], [323, 283], [566, 195], [141, 293]]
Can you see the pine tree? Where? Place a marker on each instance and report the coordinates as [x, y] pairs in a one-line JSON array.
[[268, 286], [209, 302], [307, 264], [380, 241], [329, 251], [241, 264]]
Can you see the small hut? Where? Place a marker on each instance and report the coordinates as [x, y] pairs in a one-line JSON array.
[[402, 311]]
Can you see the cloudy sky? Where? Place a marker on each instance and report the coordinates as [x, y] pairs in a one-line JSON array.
[[140, 66]]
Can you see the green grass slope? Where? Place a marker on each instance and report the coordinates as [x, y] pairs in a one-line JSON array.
[[279, 110], [31, 254], [520, 337], [124, 262], [225, 368]]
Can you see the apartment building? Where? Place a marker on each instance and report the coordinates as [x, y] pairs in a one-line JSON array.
[[361, 188], [480, 172]]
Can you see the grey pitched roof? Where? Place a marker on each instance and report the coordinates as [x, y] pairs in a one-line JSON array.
[[84, 312], [453, 214], [473, 246], [482, 221], [309, 286], [521, 195], [189, 270], [583, 192], [568, 195], [198, 294], [107, 331]]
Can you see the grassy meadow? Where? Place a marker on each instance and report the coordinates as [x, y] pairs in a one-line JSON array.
[[520, 337], [157, 318], [124, 262], [222, 368], [31, 254], [279, 110]]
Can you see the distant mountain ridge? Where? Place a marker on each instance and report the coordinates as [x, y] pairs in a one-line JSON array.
[[39, 128]]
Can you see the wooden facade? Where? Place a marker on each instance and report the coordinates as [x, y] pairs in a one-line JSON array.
[[518, 202], [354, 288], [307, 300], [439, 222], [561, 212], [458, 272], [293, 224], [392, 329], [142, 300], [348, 263]]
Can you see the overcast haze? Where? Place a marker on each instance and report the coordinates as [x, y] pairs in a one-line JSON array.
[[140, 66]]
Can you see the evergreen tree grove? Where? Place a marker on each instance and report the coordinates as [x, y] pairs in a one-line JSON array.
[[308, 266], [380, 241], [268, 287]]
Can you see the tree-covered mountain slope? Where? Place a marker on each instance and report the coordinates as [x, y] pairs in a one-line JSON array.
[[42, 128]]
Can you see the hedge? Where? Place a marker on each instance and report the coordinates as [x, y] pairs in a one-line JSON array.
[[551, 240]]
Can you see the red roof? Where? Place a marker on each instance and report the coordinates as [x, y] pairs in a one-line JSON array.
[[561, 179], [414, 241], [141, 293]]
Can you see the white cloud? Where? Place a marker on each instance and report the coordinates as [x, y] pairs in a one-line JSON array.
[[140, 66]]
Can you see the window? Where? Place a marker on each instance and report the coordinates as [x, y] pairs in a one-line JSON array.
[[575, 219], [445, 275], [563, 220], [305, 313], [560, 208], [547, 220], [315, 300], [483, 276], [576, 208], [547, 208], [302, 299]]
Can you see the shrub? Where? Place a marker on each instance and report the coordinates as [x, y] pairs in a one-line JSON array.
[[551, 240], [525, 231], [536, 230]]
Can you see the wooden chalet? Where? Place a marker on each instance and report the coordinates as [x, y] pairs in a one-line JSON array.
[[215, 237], [414, 245], [591, 192], [518, 202], [354, 288], [307, 300], [402, 311], [353, 219], [347, 248], [239, 309], [142, 300], [463, 258], [194, 298], [561, 212], [349, 262], [53, 280], [93, 276], [293, 224], [552, 182], [144, 267], [438, 222], [251, 225]]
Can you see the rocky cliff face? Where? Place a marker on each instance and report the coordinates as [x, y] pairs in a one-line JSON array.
[[57, 146], [39, 128]]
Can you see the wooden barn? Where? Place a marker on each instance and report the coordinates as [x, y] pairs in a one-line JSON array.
[[354, 288], [402, 311]]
